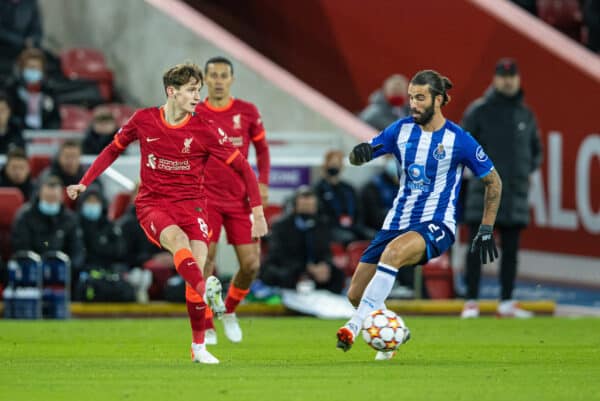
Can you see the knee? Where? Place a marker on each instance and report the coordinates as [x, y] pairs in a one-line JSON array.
[[250, 265], [176, 240], [393, 255]]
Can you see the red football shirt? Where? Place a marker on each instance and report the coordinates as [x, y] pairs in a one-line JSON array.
[[241, 122], [173, 157]]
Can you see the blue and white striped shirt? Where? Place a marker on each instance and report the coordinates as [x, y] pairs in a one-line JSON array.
[[431, 166]]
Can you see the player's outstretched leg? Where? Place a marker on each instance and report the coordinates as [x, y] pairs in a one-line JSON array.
[[374, 296]]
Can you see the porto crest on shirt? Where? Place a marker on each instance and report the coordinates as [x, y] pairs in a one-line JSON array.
[[439, 152]]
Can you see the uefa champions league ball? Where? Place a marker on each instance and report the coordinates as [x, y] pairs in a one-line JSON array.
[[383, 330]]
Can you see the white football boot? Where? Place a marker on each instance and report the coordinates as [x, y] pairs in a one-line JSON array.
[[512, 309], [232, 327], [210, 337], [470, 310], [201, 355], [212, 296]]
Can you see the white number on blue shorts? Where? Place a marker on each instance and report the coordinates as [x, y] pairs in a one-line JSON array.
[[434, 228]]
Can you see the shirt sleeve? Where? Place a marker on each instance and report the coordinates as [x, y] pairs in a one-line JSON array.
[[123, 137], [261, 147], [474, 157], [385, 138]]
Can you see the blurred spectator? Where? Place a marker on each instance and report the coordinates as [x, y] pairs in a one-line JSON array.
[[528, 5], [103, 240], [67, 166], [377, 196], [591, 20], [11, 134], [101, 131], [299, 248], [34, 103], [506, 128], [16, 172], [44, 224], [20, 28], [338, 201], [387, 104]]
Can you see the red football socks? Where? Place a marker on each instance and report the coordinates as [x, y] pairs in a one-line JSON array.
[[196, 313], [188, 269], [234, 297]]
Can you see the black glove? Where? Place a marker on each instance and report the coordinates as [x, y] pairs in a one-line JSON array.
[[363, 152], [484, 244]]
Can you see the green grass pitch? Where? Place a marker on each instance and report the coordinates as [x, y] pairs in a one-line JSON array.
[[296, 359]]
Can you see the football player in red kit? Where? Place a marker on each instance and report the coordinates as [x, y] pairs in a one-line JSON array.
[[227, 199], [175, 144]]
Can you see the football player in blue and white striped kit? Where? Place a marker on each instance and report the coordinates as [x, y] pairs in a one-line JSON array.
[[431, 153]]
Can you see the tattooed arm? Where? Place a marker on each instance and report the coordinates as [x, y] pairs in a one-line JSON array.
[[491, 198]]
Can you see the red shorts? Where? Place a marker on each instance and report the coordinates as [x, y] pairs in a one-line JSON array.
[[237, 222], [189, 215]]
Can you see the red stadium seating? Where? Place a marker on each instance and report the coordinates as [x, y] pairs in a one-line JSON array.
[[74, 118], [37, 163], [437, 274], [11, 200], [339, 255], [160, 275], [564, 15], [122, 112], [272, 212], [119, 205], [355, 250], [83, 63]]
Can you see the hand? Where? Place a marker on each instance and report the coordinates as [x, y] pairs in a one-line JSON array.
[[484, 244], [320, 272], [259, 224], [73, 191], [363, 152], [264, 193]]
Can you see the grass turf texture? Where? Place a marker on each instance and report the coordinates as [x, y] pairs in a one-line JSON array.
[[296, 359]]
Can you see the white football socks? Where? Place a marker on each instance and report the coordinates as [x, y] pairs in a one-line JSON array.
[[376, 292]]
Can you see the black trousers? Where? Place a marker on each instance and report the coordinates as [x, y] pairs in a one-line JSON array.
[[509, 239]]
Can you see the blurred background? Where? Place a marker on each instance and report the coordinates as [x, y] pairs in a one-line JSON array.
[[324, 74]]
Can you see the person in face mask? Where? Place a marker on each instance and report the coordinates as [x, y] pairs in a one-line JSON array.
[[387, 104], [338, 201], [377, 196], [102, 239], [299, 248], [44, 224], [34, 102]]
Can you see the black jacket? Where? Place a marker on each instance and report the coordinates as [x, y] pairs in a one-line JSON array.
[[13, 137], [377, 198], [19, 21], [37, 232], [290, 249], [138, 249], [103, 239], [94, 143], [48, 104], [26, 187], [67, 179], [507, 130]]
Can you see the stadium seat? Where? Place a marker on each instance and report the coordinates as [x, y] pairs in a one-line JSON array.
[[74, 118], [564, 15], [119, 205], [339, 255], [122, 112], [11, 200], [355, 250], [37, 163], [160, 276], [438, 277], [78, 63]]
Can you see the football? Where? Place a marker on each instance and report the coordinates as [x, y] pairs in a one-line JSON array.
[[383, 330]]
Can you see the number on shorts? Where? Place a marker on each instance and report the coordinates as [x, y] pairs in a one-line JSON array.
[[433, 228]]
